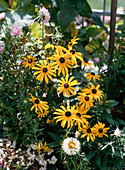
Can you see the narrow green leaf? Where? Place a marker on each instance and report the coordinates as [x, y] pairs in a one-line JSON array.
[[3, 6], [54, 144], [54, 136], [91, 154], [98, 161], [104, 164]]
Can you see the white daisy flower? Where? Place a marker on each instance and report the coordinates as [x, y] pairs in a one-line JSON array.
[[71, 146]]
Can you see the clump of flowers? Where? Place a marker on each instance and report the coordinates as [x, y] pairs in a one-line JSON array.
[[15, 30], [44, 14]]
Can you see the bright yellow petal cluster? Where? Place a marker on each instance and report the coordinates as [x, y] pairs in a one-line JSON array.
[[91, 76], [42, 147], [29, 61], [66, 86], [86, 101], [44, 70]]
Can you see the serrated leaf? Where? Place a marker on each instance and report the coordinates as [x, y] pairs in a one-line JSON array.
[[91, 154]]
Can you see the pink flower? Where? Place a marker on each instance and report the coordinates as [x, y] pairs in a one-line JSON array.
[[96, 60], [15, 30], [2, 15], [1, 48], [46, 14]]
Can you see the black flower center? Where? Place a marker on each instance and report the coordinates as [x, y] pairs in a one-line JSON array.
[[94, 91], [92, 73], [86, 98], [54, 44], [86, 60], [88, 130], [78, 114], [66, 85], [68, 114], [100, 130], [30, 61], [72, 51], [62, 60], [36, 101], [44, 70], [70, 43]]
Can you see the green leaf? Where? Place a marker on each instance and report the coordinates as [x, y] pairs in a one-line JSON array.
[[86, 11], [36, 30], [111, 103], [96, 19], [108, 117], [68, 11], [98, 161], [54, 136], [104, 164], [54, 144], [3, 6], [14, 136], [91, 154]]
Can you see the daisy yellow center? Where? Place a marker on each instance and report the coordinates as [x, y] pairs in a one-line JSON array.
[[30, 61], [78, 114], [45, 70], [86, 60], [62, 60], [72, 51], [87, 98], [100, 130], [68, 114], [92, 73], [54, 44], [36, 101], [71, 145], [94, 91], [88, 130], [66, 85]]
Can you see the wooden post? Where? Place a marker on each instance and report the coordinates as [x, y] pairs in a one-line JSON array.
[[112, 29]]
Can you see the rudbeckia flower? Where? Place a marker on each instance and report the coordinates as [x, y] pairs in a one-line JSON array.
[[86, 63], [61, 61], [99, 130], [85, 100], [66, 116], [42, 147], [87, 131], [38, 104], [91, 75], [94, 91], [29, 61], [73, 41], [44, 70], [66, 86], [42, 114], [81, 114]]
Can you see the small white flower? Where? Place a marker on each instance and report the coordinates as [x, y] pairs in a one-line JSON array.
[[53, 160], [71, 146], [117, 132], [77, 133]]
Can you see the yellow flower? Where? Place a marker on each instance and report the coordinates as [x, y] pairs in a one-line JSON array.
[[99, 130], [85, 100], [86, 63], [87, 131], [81, 114], [66, 86], [38, 104], [29, 61], [61, 61], [66, 116], [91, 75], [73, 41], [44, 70], [42, 147], [42, 114], [94, 91]]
